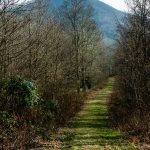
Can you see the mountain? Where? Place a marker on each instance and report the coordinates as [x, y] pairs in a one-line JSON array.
[[107, 19], [105, 16]]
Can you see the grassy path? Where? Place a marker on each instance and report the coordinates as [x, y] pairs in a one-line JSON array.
[[89, 130]]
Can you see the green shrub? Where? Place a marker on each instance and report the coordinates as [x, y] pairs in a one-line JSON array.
[[50, 105], [17, 95]]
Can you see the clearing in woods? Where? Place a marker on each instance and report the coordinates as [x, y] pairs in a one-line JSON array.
[[90, 129]]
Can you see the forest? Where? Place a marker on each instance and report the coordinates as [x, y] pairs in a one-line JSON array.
[[61, 88]]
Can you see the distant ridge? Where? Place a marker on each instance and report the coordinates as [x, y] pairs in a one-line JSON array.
[[106, 17]]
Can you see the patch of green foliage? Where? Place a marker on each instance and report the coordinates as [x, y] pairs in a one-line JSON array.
[[22, 108], [50, 105], [17, 94]]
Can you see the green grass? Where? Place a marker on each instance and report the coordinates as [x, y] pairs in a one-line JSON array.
[[90, 129]]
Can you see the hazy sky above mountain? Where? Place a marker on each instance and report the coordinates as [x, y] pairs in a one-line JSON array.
[[118, 4]]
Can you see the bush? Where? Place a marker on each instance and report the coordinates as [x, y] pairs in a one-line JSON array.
[[45, 120], [117, 108], [17, 94], [122, 117], [18, 100], [24, 115], [50, 105], [69, 104]]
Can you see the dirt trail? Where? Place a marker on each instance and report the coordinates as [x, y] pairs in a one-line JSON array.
[[90, 130]]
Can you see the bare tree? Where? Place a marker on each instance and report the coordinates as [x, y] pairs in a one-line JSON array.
[[82, 30], [133, 60]]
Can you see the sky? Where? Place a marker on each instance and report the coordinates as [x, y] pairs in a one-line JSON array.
[[118, 4]]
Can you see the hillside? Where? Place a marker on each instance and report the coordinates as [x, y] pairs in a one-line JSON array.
[[106, 17]]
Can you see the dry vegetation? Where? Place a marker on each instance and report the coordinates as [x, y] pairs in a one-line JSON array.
[[129, 105], [44, 63], [49, 60]]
